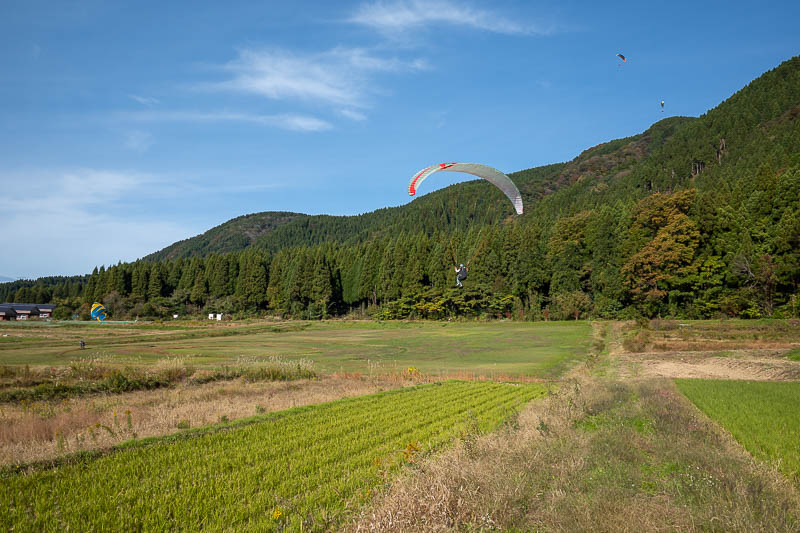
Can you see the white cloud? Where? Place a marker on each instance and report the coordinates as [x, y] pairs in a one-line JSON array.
[[289, 121], [341, 77], [397, 16], [63, 193], [144, 100], [300, 123], [68, 222], [352, 114]]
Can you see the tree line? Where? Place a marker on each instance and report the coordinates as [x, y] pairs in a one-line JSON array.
[[687, 254]]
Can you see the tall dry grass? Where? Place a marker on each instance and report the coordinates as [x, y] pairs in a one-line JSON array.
[[37, 431]]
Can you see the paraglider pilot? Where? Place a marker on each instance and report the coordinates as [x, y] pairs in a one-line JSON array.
[[461, 274]]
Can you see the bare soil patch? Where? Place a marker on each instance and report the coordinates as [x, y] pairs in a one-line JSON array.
[[698, 350], [756, 365]]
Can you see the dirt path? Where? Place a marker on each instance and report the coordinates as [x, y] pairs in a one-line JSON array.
[[744, 365]]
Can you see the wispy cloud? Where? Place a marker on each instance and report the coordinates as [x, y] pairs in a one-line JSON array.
[[60, 193], [85, 224], [144, 100], [138, 141], [397, 16], [352, 114], [341, 77], [289, 121]]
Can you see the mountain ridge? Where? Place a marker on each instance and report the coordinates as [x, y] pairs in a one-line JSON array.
[[274, 230]]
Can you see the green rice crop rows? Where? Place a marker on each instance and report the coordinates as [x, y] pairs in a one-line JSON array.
[[761, 415], [300, 469]]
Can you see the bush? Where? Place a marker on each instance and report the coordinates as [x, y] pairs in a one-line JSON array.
[[636, 343]]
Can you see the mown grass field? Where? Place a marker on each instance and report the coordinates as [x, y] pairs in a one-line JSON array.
[[301, 469], [497, 348], [762, 416]]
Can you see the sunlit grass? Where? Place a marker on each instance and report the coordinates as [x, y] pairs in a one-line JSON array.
[[762, 416], [543, 349], [302, 468]]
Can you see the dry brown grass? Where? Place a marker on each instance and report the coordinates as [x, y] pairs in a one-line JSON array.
[[41, 430], [710, 350], [601, 455], [46, 430], [673, 335]]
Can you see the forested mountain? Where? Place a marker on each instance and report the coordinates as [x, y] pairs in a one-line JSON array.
[[233, 235], [692, 218], [457, 206]]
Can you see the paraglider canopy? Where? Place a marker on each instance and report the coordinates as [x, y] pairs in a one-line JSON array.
[[622, 57], [98, 312], [492, 175]]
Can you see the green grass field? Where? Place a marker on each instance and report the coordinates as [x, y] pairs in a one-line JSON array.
[[762, 416], [543, 349], [301, 469]]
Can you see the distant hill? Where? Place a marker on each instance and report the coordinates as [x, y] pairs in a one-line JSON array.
[[4, 279], [454, 207], [235, 234]]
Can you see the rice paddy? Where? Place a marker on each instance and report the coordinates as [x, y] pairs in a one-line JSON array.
[[302, 468], [762, 416]]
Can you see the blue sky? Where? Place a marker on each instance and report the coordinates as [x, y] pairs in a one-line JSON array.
[[125, 126]]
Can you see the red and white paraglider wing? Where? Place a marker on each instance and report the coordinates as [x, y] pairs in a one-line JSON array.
[[492, 175]]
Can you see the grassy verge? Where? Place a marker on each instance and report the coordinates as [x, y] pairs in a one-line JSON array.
[[90, 376], [299, 469], [762, 416]]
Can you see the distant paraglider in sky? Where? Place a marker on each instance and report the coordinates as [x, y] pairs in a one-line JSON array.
[[98, 312], [492, 175], [662, 106], [622, 57]]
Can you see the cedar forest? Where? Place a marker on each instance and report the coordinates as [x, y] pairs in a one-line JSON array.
[[694, 218]]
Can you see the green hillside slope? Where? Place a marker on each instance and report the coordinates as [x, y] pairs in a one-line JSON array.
[[235, 234], [472, 203]]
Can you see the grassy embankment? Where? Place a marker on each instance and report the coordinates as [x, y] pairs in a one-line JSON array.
[[794, 355], [304, 468]]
